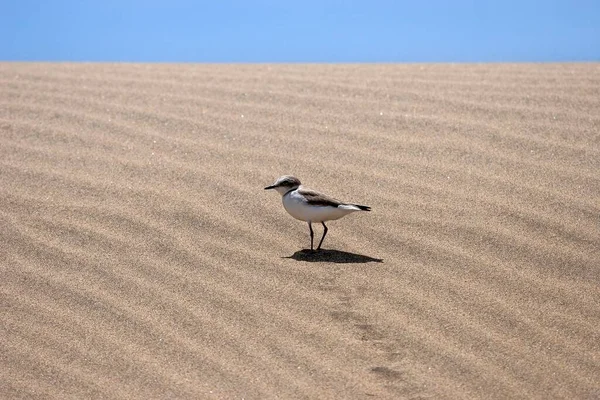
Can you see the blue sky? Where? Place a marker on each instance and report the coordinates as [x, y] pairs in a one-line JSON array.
[[299, 31]]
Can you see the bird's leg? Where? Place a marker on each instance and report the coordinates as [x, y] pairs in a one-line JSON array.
[[324, 233], [312, 235]]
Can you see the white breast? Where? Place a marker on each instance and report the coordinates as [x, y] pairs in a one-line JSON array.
[[296, 205]]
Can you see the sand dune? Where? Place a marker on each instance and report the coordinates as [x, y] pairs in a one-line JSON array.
[[140, 257]]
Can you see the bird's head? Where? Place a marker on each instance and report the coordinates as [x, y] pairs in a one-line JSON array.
[[284, 184]]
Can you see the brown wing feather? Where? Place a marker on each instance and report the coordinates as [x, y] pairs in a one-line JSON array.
[[319, 199]]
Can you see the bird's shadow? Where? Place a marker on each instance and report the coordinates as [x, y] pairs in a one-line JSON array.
[[335, 256]]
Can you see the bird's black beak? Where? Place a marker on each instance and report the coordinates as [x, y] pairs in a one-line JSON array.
[[270, 187]]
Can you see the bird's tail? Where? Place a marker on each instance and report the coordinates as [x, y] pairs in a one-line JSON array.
[[354, 207]]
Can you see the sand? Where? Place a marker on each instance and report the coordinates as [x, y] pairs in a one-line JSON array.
[[141, 258]]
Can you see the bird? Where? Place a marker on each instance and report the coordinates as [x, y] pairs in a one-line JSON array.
[[311, 206]]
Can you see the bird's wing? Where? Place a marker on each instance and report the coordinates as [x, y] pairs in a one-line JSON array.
[[318, 199]]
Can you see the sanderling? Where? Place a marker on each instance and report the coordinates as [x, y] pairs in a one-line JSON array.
[[311, 206]]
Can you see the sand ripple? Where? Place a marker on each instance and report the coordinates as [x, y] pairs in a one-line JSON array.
[[140, 257]]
